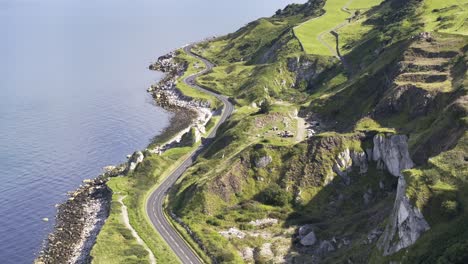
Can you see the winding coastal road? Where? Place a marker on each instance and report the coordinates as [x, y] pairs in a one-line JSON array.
[[154, 206]]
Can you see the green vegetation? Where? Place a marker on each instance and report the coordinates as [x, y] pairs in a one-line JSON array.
[[380, 91], [245, 44], [275, 195], [116, 243], [394, 80], [194, 66], [368, 124], [265, 107], [136, 187], [448, 16], [440, 191], [309, 32], [363, 4]]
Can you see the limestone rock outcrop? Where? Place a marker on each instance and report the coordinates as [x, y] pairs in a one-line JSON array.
[[134, 160], [346, 160], [263, 253], [393, 152], [262, 162], [406, 223], [309, 240]]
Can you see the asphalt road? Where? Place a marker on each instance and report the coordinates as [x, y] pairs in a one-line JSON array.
[[154, 207]]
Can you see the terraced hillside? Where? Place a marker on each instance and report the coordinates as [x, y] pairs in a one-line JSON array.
[[426, 66]]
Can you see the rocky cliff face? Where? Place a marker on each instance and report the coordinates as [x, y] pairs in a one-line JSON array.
[[392, 151], [406, 223], [346, 160], [307, 69]]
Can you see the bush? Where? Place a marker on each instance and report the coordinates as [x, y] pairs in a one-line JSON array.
[[265, 107], [244, 226], [450, 208], [274, 195], [457, 253], [136, 250], [225, 256], [221, 216], [213, 222]]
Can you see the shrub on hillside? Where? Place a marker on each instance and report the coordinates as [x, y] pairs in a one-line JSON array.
[[265, 107], [274, 195], [450, 208], [456, 253]]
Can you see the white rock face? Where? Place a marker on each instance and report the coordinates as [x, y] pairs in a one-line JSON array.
[[348, 159], [232, 232], [360, 160], [406, 223], [263, 253], [305, 230], [248, 254], [393, 152], [196, 135], [264, 222], [309, 240], [134, 160], [343, 165], [262, 162]]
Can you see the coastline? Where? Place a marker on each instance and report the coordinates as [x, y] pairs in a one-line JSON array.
[[80, 218]]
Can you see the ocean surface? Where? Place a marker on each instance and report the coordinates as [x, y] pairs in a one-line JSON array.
[[73, 75]]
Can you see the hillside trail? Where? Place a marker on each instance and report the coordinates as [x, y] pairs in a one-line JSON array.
[[133, 231], [334, 31], [334, 50], [301, 129]]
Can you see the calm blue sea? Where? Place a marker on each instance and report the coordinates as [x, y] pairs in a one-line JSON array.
[[73, 75]]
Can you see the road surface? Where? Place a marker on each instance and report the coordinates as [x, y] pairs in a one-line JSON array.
[[154, 206]]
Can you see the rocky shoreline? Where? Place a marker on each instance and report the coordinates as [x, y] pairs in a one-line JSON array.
[[78, 222], [81, 217], [167, 95]]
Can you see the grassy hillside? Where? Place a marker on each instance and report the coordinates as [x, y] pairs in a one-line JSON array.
[[309, 32], [314, 34], [278, 165], [392, 79]]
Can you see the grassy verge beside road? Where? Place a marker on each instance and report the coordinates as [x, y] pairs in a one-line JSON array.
[[115, 243], [194, 66]]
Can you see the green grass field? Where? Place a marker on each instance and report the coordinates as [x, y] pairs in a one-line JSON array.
[[363, 4], [115, 244], [308, 32], [242, 45], [448, 16]]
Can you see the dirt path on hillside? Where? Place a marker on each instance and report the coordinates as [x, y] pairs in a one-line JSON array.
[[134, 233], [335, 50], [301, 129]]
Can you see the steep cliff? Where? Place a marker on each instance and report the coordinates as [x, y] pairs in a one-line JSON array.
[[406, 223]]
